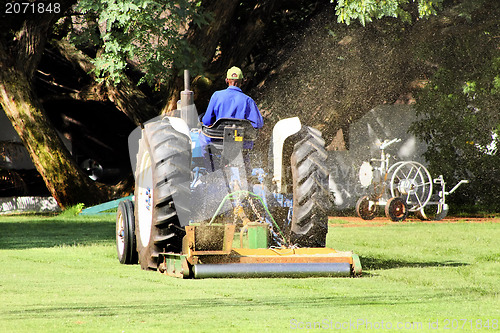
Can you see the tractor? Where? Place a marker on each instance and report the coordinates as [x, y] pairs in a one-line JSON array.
[[236, 218]]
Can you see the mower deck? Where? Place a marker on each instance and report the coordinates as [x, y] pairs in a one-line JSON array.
[[224, 261]]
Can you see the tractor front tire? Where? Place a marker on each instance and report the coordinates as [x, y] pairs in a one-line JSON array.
[[125, 233], [162, 191], [311, 200]]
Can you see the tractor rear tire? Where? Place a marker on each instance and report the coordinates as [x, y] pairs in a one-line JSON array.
[[162, 175], [311, 199]]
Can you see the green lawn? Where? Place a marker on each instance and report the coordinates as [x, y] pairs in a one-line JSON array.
[[60, 274]]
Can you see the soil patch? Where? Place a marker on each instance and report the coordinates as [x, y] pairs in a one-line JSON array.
[[351, 221]]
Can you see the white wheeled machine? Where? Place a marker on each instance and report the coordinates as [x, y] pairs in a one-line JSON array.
[[403, 187]]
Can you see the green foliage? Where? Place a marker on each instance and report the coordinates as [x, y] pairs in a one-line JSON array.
[[459, 116], [365, 10], [72, 211], [148, 33]]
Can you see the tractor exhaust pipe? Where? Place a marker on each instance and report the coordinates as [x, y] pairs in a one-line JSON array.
[[274, 270], [187, 107], [187, 81]]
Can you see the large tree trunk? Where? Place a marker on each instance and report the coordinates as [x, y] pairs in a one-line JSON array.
[[19, 57], [67, 184]]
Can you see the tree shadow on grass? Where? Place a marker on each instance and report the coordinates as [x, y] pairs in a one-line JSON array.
[[271, 302], [377, 263], [52, 233]]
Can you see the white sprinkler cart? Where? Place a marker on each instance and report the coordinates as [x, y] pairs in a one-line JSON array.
[[403, 187]]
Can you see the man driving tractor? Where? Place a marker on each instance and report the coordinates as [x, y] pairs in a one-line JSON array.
[[229, 103]]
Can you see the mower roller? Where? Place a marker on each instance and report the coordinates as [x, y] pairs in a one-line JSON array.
[[190, 221]]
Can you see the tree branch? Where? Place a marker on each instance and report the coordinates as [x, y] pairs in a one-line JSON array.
[[126, 96]]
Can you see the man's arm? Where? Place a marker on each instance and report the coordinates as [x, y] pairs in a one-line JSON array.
[[254, 114], [210, 116]]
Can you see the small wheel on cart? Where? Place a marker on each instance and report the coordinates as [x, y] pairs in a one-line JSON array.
[[396, 209], [125, 233], [366, 208], [441, 212], [422, 215], [413, 183]]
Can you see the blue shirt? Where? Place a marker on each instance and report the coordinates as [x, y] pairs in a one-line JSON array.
[[232, 103]]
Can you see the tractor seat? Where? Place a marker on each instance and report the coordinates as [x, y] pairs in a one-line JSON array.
[[216, 130]]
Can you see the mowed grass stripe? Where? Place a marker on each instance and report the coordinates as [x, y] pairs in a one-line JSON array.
[[60, 274]]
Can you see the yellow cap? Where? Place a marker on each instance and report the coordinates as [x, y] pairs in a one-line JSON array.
[[234, 73]]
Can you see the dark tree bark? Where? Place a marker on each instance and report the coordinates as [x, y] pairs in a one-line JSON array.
[[20, 53], [126, 96], [67, 184], [245, 32]]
